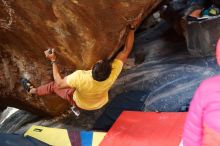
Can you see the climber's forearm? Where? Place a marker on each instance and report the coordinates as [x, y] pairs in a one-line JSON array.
[[123, 55], [56, 74], [129, 42], [61, 83]]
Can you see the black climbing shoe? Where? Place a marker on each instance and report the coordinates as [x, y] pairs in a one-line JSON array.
[[26, 84]]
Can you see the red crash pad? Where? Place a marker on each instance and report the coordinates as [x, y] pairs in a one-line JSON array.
[[146, 129]]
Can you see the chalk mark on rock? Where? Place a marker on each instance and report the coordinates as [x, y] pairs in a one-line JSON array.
[[4, 23]]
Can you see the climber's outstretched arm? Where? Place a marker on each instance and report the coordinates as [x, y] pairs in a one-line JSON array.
[[60, 82], [123, 55]]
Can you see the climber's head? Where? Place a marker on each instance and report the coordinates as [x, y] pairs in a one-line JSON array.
[[101, 70]]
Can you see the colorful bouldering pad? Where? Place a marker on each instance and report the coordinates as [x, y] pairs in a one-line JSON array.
[[64, 137]]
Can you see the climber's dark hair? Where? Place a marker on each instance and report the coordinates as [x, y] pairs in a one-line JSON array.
[[102, 69]]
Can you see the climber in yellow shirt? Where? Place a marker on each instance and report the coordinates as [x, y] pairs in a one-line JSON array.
[[86, 89]]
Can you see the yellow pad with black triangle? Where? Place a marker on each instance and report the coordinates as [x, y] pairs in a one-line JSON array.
[[51, 136]]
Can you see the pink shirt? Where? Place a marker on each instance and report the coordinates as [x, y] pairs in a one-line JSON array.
[[202, 127]]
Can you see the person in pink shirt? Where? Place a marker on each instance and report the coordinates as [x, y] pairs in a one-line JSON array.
[[202, 126]]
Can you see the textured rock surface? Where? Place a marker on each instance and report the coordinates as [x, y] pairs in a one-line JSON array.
[[82, 31]]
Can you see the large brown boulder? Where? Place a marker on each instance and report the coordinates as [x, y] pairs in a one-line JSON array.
[[82, 31]]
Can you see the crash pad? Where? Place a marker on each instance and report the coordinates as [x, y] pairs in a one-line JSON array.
[[146, 129], [51, 136], [65, 137], [11, 139], [97, 138]]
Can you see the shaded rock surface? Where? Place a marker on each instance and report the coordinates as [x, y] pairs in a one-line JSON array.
[[82, 31], [202, 36], [167, 73]]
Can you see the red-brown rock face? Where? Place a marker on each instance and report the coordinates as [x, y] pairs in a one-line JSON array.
[[82, 31]]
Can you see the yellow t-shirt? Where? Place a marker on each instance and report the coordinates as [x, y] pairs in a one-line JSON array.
[[91, 94]]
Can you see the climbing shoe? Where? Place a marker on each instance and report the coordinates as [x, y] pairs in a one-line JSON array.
[[26, 84]]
